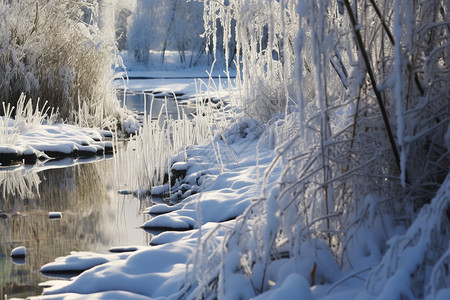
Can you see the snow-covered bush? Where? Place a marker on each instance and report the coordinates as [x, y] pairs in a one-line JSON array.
[[49, 51], [416, 264], [362, 146], [263, 33]]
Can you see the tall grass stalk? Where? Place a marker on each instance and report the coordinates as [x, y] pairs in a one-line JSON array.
[[24, 117], [146, 157]]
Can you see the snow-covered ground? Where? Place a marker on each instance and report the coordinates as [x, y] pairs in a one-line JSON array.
[[46, 142]]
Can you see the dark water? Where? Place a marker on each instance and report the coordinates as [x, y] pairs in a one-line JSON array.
[[95, 218], [156, 106]]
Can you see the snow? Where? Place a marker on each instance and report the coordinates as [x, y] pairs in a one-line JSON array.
[[8, 150], [80, 261], [109, 295], [154, 272], [170, 222], [54, 215], [293, 286], [224, 196], [162, 208], [160, 190], [58, 141], [180, 166]]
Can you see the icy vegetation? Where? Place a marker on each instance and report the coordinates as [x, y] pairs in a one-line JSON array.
[[33, 137], [148, 157], [53, 50], [361, 146]]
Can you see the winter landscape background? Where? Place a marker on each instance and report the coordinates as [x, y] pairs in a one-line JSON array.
[[276, 149]]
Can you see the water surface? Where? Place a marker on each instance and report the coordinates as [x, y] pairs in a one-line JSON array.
[[94, 218]]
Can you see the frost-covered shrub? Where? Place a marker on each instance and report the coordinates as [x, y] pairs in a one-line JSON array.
[[263, 33], [416, 264], [48, 52], [361, 154]]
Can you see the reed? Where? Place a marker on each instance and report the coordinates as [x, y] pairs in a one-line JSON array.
[[147, 156]]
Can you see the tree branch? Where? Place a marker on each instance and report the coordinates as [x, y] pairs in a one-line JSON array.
[[373, 81]]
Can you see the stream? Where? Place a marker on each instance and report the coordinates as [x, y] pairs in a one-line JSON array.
[[94, 218]]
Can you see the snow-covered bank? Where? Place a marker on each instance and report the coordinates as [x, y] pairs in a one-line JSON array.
[[32, 135], [226, 190], [56, 141], [248, 221]]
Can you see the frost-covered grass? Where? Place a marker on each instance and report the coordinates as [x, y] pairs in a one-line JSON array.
[[147, 157], [32, 134], [25, 117]]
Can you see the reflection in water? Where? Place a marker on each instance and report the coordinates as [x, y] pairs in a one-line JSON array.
[[18, 182], [94, 218], [157, 108]]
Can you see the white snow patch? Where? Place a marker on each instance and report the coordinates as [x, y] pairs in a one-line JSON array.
[[79, 261], [291, 288], [54, 215]]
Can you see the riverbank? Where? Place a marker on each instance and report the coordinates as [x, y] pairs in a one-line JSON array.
[[226, 186]]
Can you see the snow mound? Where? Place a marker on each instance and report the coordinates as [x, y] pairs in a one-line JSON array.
[[109, 295], [80, 261], [55, 141], [19, 252], [152, 272], [293, 286], [165, 222]]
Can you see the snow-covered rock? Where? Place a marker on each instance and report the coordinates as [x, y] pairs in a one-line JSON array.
[[19, 252], [80, 261], [54, 215]]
